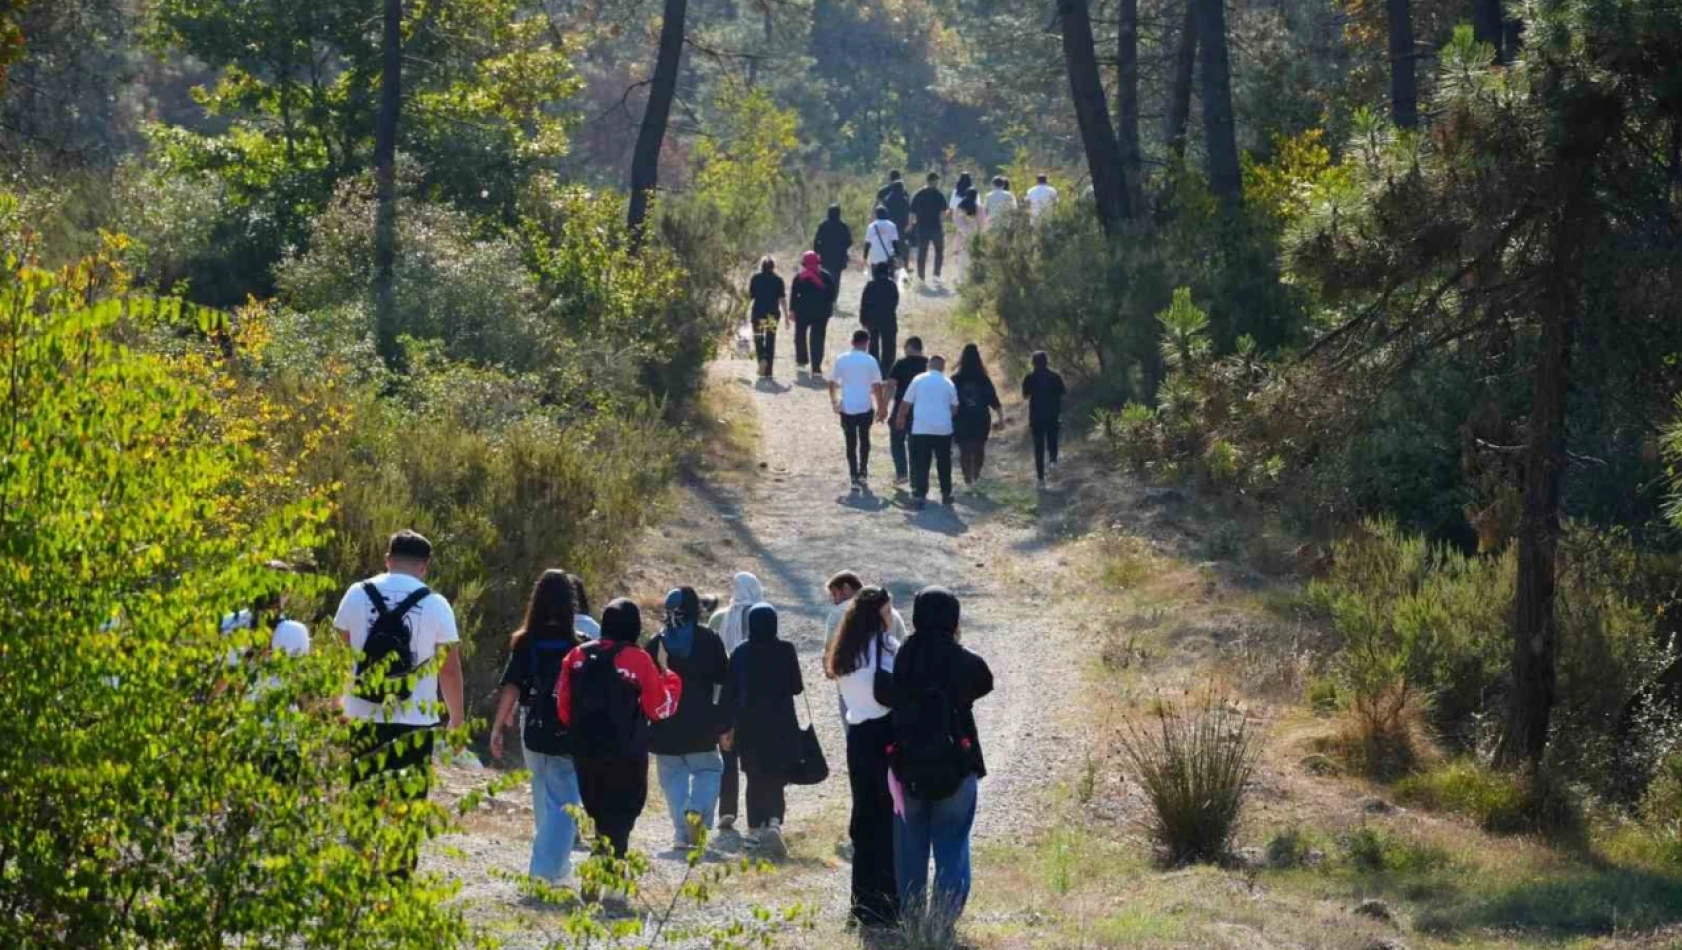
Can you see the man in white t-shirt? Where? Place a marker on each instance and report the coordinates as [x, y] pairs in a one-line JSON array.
[[1041, 198], [857, 395], [930, 404], [880, 238], [403, 728], [842, 588], [998, 203]]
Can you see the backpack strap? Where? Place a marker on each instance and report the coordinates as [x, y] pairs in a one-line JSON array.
[[375, 597], [412, 601]]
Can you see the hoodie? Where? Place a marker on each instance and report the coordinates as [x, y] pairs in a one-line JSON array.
[[701, 665], [764, 679], [897, 200], [879, 304], [833, 240], [932, 656]]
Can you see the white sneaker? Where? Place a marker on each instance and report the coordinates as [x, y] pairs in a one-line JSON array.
[[771, 840], [726, 824]]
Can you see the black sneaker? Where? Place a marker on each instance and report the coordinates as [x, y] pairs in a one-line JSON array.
[[948, 500], [918, 504]]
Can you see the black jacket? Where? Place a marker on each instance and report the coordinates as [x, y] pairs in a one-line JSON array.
[[698, 722], [809, 302], [764, 679], [834, 239], [937, 659], [897, 200], [879, 304]]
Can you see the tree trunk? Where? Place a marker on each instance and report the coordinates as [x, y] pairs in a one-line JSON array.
[[1404, 79], [385, 182], [645, 160], [1127, 102], [1220, 134], [1179, 91], [1103, 152], [1487, 25]]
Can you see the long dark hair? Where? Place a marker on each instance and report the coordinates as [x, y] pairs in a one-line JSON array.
[[965, 183], [970, 366], [549, 612], [861, 624]]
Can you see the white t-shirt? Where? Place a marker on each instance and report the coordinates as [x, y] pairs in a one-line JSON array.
[[832, 623], [857, 373], [998, 202], [431, 624], [932, 399], [1040, 199], [879, 241], [858, 688]]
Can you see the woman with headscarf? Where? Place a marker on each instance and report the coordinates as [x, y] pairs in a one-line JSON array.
[[978, 403], [937, 761], [685, 746], [812, 298], [764, 679], [862, 651], [609, 691], [731, 624]]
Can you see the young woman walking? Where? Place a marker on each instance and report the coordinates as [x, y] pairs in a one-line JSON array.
[[685, 747], [768, 308], [861, 654], [731, 625], [529, 681], [764, 679], [978, 404]]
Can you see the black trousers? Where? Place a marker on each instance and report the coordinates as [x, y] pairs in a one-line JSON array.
[[875, 889], [884, 343], [729, 785], [809, 337], [765, 341], [1045, 444], [855, 429], [926, 237], [897, 439], [972, 455], [924, 450], [765, 799], [614, 789]]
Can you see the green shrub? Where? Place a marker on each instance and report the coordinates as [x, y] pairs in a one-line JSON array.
[[1194, 763], [1371, 850], [1497, 800]]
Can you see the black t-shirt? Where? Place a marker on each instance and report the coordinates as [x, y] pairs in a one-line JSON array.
[[929, 205], [534, 666], [976, 397], [906, 369], [1044, 391], [879, 304], [767, 291]]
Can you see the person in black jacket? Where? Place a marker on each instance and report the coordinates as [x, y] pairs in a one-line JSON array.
[[931, 666], [879, 314], [832, 242], [906, 368], [812, 298], [1044, 391], [685, 746], [897, 200], [978, 404], [929, 207], [764, 679]]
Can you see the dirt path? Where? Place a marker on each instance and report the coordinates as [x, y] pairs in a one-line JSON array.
[[794, 525]]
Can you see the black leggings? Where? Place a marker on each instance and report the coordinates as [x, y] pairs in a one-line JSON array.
[[875, 888], [856, 429], [1045, 444], [614, 790], [925, 237], [765, 799], [972, 455], [808, 341], [765, 341], [884, 337]]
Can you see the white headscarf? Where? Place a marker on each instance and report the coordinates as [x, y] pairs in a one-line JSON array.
[[745, 592]]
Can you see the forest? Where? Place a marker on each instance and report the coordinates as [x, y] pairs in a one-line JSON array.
[[1401, 282]]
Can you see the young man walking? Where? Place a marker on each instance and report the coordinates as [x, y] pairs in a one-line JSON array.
[[1044, 391], [998, 203], [881, 241], [905, 369], [1041, 198], [929, 407], [856, 393], [928, 206], [897, 200], [879, 314]]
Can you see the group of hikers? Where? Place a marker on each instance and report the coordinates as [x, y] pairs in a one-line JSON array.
[[712, 701]]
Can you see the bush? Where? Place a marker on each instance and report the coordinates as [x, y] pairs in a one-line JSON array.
[[1497, 800], [1194, 763]]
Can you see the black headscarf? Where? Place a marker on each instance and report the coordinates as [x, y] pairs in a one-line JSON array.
[[935, 611], [835, 212], [621, 622], [762, 623]]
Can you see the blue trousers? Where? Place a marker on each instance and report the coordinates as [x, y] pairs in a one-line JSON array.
[[943, 829], [554, 786], [690, 783]]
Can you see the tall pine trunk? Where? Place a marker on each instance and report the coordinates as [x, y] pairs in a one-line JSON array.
[[645, 159], [385, 182], [1220, 134], [1404, 79], [1179, 89], [1127, 102], [1092, 113]]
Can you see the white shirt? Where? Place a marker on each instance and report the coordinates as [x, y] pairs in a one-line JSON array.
[[997, 202], [879, 241], [857, 373], [1040, 199], [858, 688], [932, 399], [586, 626], [832, 623], [431, 624]]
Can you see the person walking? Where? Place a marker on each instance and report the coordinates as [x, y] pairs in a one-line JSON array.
[[731, 624], [905, 371], [879, 314], [928, 409], [999, 202], [1043, 389], [964, 184], [937, 762], [529, 682], [897, 200], [768, 307], [966, 219], [929, 207], [685, 746], [832, 242], [858, 658], [978, 404], [609, 691], [764, 679], [881, 241], [856, 395], [1041, 198], [812, 298], [842, 587]]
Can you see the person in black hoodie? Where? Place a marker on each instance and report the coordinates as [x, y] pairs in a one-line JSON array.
[[832, 242], [897, 200], [937, 760], [685, 747], [812, 299], [1044, 391], [764, 679], [879, 314]]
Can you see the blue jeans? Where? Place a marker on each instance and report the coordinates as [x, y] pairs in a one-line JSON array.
[[691, 785], [942, 827], [554, 786]]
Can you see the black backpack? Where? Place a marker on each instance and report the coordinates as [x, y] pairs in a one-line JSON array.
[[607, 716], [929, 755], [898, 204], [387, 667], [543, 731]]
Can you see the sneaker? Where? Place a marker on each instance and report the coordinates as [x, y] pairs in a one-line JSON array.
[[1040, 482], [771, 840], [918, 504], [727, 824], [901, 479], [948, 500], [856, 486], [1054, 465]]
